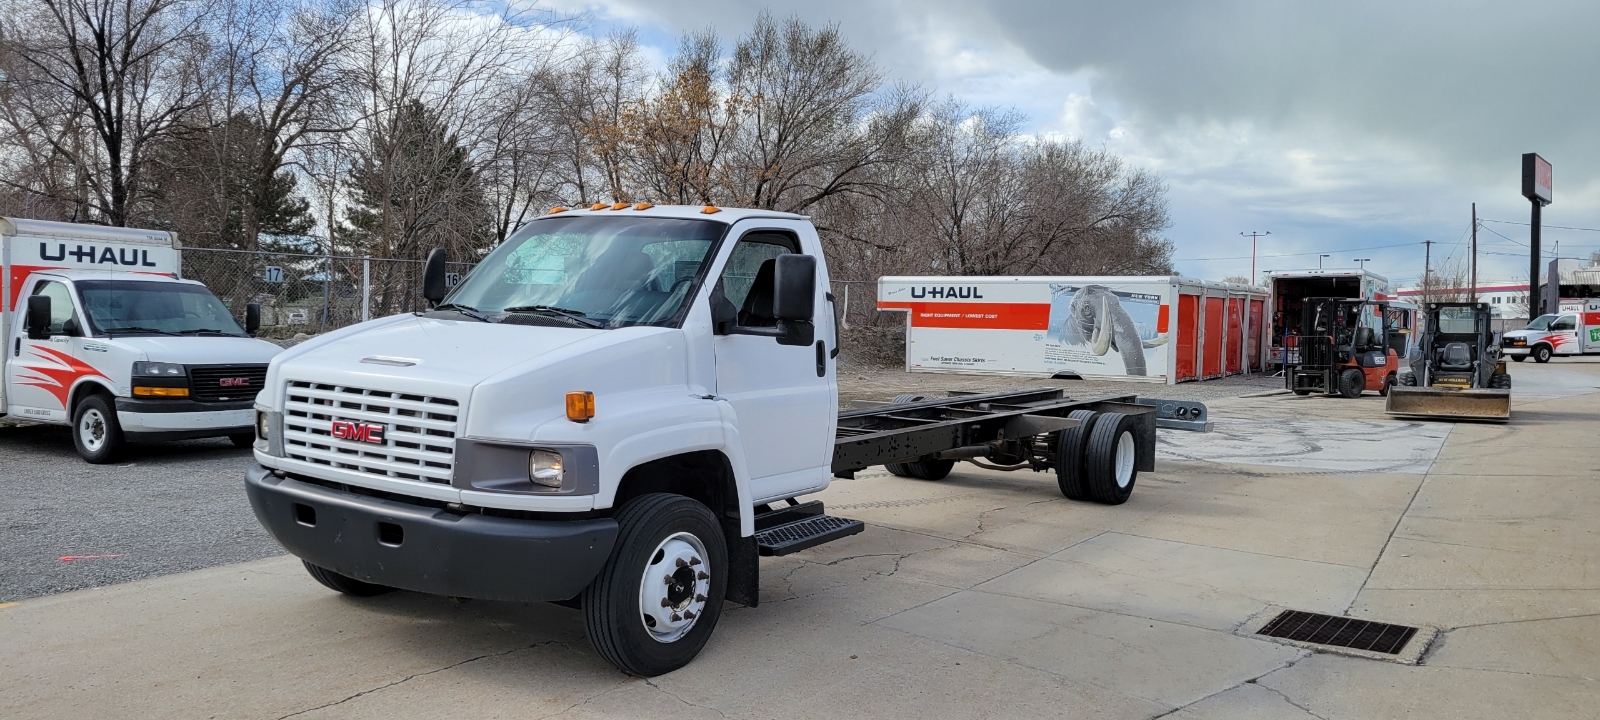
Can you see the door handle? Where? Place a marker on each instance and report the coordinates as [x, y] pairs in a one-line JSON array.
[[822, 359]]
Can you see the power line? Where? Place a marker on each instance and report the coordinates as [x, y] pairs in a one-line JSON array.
[[1319, 252], [1557, 227]]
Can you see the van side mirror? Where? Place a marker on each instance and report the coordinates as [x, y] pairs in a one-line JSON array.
[[433, 286], [794, 293], [37, 321], [252, 318]]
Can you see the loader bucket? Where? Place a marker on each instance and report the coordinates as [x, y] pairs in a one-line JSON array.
[[1449, 403]]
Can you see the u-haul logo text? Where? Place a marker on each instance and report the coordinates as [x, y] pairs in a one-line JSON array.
[[92, 255], [969, 292]]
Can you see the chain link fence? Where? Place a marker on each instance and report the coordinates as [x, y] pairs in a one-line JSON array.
[[308, 293]]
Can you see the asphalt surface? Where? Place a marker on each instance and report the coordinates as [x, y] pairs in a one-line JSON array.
[[166, 508]]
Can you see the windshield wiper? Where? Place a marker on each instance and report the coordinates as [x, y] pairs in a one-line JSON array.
[[470, 312], [576, 316], [198, 331], [119, 330]]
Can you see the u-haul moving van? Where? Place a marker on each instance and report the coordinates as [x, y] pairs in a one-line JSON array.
[[1573, 331], [123, 349]]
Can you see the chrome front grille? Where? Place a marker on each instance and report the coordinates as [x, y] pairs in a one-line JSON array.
[[418, 439]]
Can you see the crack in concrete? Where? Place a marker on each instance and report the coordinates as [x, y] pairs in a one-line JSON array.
[[679, 698], [1386, 541], [1526, 620], [1250, 681], [413, 676], [1290, 700], [586, 700]]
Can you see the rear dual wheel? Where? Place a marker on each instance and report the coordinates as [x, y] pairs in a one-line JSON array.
[[1098, 460]]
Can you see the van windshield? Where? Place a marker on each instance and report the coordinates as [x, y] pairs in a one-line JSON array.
[[591, 271], [1540, 323], [135, 307]]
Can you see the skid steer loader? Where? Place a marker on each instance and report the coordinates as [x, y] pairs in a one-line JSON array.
[[1458, 371]]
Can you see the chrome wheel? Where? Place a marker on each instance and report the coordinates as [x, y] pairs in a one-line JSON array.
[[672, 594]]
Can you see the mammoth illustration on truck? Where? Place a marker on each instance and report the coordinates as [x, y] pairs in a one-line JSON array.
[[1096, 318]]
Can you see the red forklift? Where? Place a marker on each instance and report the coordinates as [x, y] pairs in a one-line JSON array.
[[1347, 346]]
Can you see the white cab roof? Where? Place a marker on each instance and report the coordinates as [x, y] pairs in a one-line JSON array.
[[687, 212]]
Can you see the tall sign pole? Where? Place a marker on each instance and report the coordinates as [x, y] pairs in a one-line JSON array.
[[1473, 297], [1538, 187], [1253, 235]]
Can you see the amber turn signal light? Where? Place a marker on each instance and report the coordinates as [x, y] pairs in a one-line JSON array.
[[580, 406], [142, 391]]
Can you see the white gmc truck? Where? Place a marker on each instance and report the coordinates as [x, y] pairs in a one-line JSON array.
[[102, 334], [616, 410]]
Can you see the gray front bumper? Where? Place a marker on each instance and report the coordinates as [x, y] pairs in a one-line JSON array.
[[439, 552]]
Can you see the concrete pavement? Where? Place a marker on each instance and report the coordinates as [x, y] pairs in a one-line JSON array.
[[983, 595]]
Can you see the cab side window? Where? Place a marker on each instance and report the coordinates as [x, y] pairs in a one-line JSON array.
[[1565, 322], [60, 304], [748, 279]]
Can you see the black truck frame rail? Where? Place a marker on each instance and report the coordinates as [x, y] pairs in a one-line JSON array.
[[1003, 426]]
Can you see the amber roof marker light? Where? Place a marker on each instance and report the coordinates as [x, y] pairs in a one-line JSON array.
[[599, 206], [643, 206], [580, 406], [619, 206], [556, 209], [710, 210]]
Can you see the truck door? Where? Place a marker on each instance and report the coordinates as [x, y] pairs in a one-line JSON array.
[[40, 373], [784, 404], [1564, 335]]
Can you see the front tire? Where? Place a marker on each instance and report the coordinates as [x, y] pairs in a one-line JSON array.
[[344, 583], [654, 604], [1110, 460], [1518, 358], [243, 440], [1388, 382], [96, 434], [1352, 382], [1541, 353]]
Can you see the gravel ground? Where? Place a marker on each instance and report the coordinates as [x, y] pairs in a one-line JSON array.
[[166, 508], [176, 507]]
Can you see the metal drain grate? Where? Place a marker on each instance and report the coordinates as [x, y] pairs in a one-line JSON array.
[[1339, 632]]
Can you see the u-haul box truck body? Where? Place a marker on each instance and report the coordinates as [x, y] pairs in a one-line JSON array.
[[1158, 329]]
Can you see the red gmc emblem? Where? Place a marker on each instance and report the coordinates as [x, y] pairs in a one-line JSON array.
[[234, 382], [360, 432]]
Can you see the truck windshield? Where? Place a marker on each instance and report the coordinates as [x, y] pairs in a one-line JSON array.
[[135, 307], [1540, 323], [592, 271]]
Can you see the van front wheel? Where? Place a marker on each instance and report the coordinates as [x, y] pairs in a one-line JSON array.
[[96, 434]]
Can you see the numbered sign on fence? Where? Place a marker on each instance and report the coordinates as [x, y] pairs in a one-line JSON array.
[[272, 274], [452, 279]]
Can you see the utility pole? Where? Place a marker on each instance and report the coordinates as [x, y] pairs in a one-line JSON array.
[[1427, 271], [1473, 297], [1363, 263], [1253, 235], [1319, 260]]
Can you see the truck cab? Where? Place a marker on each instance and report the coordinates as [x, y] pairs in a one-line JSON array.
[[1574, 331], [103, 336], [594, 415]]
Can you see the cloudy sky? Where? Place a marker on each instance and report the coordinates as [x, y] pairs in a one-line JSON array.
[[1358, 129]]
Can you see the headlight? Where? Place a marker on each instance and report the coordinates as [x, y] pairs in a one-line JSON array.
[[263, 427], [157, 369], [544, 468]]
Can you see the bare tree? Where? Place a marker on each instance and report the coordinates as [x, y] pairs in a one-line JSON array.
[[96, 83]]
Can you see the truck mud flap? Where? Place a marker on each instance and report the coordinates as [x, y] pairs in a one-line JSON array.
[[1449, 404]]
